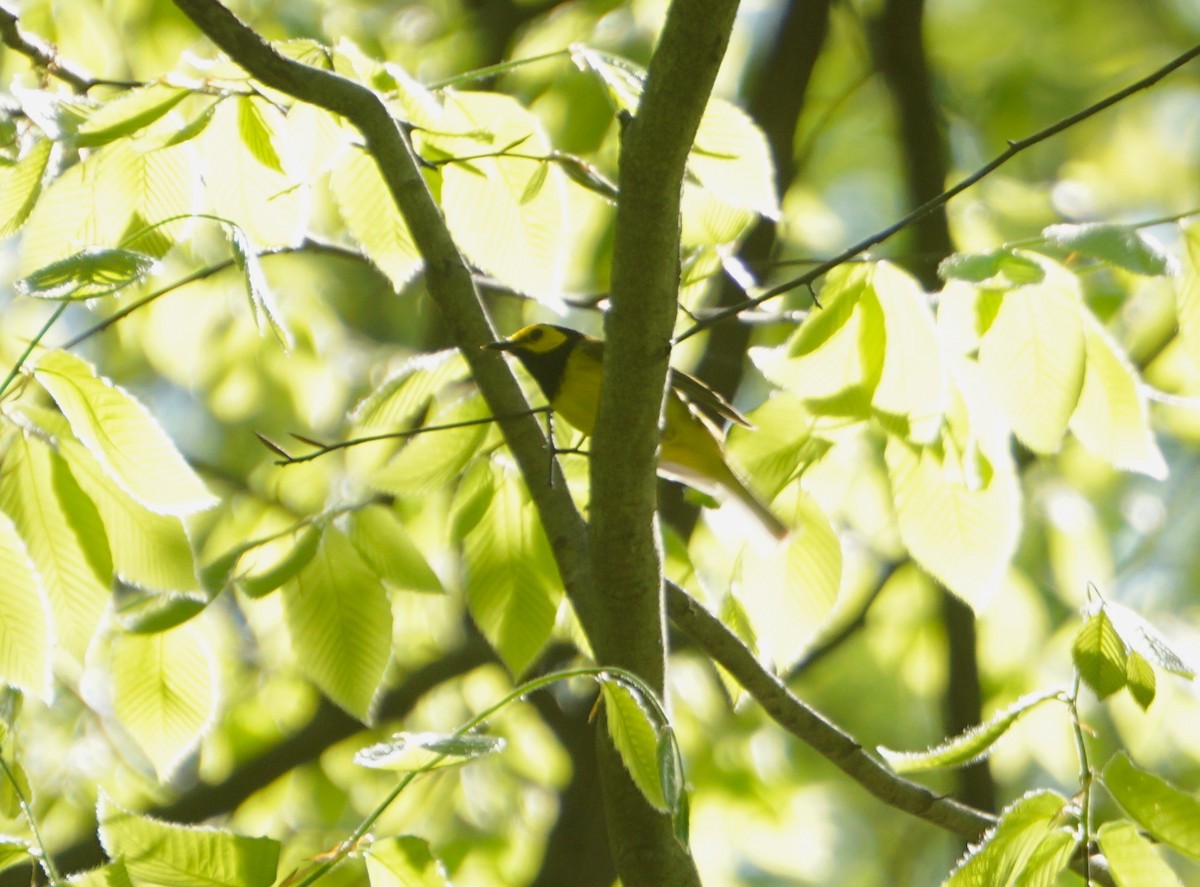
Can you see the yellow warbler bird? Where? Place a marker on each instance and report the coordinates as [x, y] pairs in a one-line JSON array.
[[567, 367]]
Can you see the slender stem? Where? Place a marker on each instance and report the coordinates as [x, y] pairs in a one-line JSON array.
[[1085, 782], [46, 860], [499, 68], [1014, 148], [12, 374]]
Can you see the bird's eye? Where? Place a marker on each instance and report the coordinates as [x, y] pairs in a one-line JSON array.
[[535, 334]]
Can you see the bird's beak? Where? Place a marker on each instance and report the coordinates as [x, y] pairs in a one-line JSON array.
[[501, 345]]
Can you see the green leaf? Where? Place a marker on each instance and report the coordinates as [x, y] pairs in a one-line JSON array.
[[511, 231], [340, 624], [260, 199], [1099, 655], [258, 291], [130, 111], [266, 566], [257, 134], [139, 611], [1006, 851], [21, 185], [962, 529], [112, 875], [968, 747], [405, 752], [25, 626], [1139, 677], [169, 855], [87, 274], [195, 126], [105, 200], [372, 218], [789, 591], [123, 437], [1033, 357], [148, 549], [14, 851], [635, 734], [511, 583], [1168, 814], [1132, 860], [1120, 245], [404, 861], [164, 692], [913, 383], [1001, 266], [1111, 418], [731, 159], [15, 791], [435, 459], [834, 360], [64, 536], [1144, 638], [1187, 293], [385, 545]]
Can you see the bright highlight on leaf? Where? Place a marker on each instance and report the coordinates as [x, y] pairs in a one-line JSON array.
[[123, 437], [164, 691], [406, 752], [1033, 357], [1099, 654], [25, 627], [1121, 245]]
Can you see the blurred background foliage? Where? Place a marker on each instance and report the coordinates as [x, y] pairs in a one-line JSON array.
[[766, 810]]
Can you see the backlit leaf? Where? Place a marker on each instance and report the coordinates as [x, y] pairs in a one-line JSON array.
[[515, 233], [1033, 357], [1133, 860], [122, 436], [961, 529], [511, 583], [1099, 654], [372, 218], [385, 545], [1166, 813], [1187, 293], [87, 274], [164, 692], [64, 536], [128, 112], [1006, 851], [340, 624], [169, 855], [404, 861], [21, 185], [25, 626], [1112, 419], [731, 159]]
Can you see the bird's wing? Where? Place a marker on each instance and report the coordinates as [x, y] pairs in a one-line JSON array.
[[696, 393]]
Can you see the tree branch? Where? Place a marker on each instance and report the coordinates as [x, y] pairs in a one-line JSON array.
[[1014, 148], [448, 278], [41, 53], [811, 728], [626, 559]]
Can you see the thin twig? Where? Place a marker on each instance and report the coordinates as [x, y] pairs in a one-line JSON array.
[[324, 448], [1014, 148], [43, 55]]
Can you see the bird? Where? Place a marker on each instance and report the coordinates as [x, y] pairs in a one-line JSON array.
[[566, 364]]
